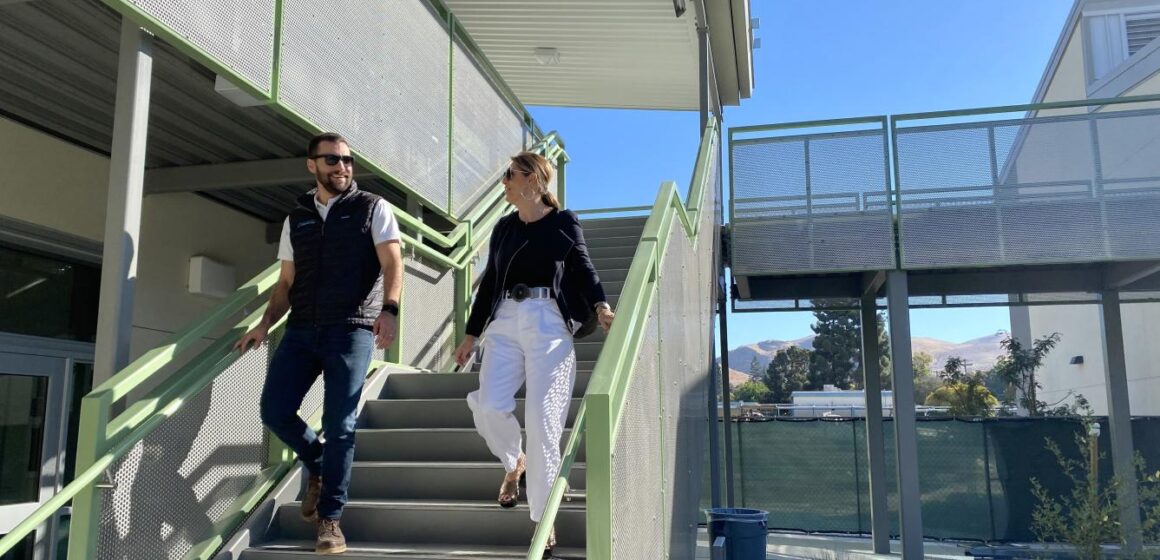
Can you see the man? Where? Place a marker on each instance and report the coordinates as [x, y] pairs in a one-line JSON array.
[[342, 272]]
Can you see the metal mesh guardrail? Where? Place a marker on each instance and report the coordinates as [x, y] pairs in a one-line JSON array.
[[172, 490], [975, 476], [422, 107], [1037, 190], [656, 476], [812, 203], [428, 328]]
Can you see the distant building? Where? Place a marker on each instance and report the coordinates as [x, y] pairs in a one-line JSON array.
[[832, 401]]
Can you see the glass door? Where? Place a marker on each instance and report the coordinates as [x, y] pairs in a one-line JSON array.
[[31, 399]]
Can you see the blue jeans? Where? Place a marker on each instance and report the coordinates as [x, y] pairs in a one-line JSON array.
[[342, 354]]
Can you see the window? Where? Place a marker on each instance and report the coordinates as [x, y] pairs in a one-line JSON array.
[[1118, 36]]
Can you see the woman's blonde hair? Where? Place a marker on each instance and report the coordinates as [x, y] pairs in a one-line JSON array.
[[539, 167]]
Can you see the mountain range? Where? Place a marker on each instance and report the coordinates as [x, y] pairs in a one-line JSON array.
[[980, 353]]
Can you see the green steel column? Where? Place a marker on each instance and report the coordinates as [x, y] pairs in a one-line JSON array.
[[598, 486], [463, 291], [1120, 418]]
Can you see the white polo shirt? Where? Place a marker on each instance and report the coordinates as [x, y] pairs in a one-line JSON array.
[[384, 227]]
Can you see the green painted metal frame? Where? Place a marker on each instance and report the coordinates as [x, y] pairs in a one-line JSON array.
[[598, 418]]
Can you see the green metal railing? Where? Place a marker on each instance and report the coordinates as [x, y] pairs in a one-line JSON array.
[[106, 438], [603, 404], [182, 40]]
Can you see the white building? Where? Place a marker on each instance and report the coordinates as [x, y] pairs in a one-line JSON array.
[[1108, 48], [836, 402]]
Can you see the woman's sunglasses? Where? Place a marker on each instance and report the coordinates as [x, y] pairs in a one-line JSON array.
[[332, 159], [509, 173]]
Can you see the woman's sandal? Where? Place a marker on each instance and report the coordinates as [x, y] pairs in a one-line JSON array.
[[550, 546], [509, 491]]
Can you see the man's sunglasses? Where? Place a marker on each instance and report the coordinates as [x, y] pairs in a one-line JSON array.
[[332, 159], [509, 173]]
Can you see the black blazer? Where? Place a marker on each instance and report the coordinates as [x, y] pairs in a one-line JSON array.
[[575, 284]]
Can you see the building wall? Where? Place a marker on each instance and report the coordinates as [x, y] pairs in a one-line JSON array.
[[1080, 326], [57, 185]]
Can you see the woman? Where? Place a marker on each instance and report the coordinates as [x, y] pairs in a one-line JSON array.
[[538, 287]]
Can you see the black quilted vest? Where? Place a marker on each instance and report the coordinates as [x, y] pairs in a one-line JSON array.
[[337, 276]]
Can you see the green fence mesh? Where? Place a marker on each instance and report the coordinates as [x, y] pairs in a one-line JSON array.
[[975, 475]]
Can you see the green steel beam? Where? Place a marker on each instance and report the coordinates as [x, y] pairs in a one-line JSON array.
[[598, 475], [803, 124], [1028, 107]]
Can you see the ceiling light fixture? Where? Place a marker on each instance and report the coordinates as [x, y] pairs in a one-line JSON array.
[[548, 56]]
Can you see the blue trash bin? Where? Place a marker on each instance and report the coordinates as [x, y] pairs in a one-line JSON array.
[[744, 531]]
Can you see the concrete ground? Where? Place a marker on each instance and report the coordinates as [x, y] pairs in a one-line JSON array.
[[796, 546]]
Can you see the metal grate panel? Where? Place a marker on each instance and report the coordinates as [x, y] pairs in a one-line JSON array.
[[1079, 188], [486, 132], [428, 330], [637, 505], [391, 101], [815, 203], [239, 35], [200, 459]]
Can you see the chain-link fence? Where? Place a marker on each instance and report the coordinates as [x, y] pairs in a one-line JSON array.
[[975, 476]]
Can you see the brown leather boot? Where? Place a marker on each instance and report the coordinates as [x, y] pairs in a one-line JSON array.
[[330, 538], [310, 500]]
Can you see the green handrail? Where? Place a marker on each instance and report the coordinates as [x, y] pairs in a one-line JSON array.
[[603, 404]]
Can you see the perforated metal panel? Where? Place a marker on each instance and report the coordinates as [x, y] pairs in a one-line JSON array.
[[377, 73], [637, 503], [200, 460], [428, 325], [239, 35], [816, 203], [660, 443], [1067, 189], [486, 132]]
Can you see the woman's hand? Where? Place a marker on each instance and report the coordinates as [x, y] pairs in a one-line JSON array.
[[465, 349], [605, 316]]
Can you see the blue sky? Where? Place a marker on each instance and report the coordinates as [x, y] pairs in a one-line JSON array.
[[823, 59]]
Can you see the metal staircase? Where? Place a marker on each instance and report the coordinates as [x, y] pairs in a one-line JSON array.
[[424, 484]]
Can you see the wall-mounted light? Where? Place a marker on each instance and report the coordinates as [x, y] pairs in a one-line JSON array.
[[548, 56], [1076, 360]]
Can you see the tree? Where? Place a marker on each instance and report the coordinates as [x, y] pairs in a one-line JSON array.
[[788, 371], [751, 391], [1018, 367], [837, 356], [965, 393], [923, 363], [755, 368]]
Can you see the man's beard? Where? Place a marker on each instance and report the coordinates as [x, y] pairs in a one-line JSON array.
[[327, 183]]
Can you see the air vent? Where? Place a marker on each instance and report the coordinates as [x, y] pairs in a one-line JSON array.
[[1141, 29]]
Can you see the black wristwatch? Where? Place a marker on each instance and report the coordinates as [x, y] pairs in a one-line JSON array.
[[392, 308]]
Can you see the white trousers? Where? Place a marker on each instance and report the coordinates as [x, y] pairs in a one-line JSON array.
[[528, 342]]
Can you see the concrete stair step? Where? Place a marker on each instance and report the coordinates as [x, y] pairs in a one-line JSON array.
[[478, 481], [292, 549], [612, 275], [432, 413], [443, 444], [613, 241], [455, 385], [603, 224], [600, 252], [608, 263], [448, 522]]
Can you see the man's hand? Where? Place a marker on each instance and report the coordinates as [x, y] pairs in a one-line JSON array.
[[465, 349], [385, 328], [255, 337]]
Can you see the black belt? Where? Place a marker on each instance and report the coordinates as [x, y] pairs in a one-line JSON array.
[[520, 292]]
